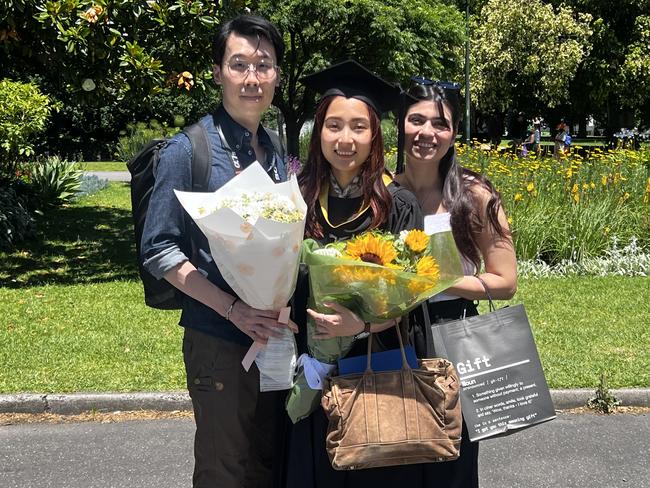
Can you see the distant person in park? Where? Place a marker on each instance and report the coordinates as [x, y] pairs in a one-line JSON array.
[[528, 142], [559, 139], [537, 136], [457, 199], [531, 144], [236, 425]]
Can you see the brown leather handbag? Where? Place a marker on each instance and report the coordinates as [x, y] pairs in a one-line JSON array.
[[391, 418]]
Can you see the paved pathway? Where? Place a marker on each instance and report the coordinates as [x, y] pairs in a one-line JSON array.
[[586, 450], [111, 175]]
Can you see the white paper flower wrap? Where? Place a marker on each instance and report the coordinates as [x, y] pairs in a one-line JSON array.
[[260, 259]]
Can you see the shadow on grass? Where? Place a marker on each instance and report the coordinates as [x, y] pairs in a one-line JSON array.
[[74, 244]]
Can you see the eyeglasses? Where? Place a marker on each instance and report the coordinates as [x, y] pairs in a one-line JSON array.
[[264, 70], [445, 85]]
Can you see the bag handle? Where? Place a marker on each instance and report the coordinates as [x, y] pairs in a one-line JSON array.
[[405, 364], [487, 292], [428, 334]]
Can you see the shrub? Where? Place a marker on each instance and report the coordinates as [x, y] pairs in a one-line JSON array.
[[16, 223], [24, 112], [604, 401], [89, 185], [389, 133], [565, 213], [630, 260], [54, 181], [138, 135], [180, 109]]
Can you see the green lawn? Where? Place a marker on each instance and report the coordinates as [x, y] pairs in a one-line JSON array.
[[102, 166], [72, 316], [100, 336]]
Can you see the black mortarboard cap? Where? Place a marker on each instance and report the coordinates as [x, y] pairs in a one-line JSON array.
[[352, 80]]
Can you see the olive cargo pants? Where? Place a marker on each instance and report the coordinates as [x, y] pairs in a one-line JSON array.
[[238, 441]]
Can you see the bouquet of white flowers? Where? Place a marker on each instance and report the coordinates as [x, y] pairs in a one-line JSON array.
[[255, 228]]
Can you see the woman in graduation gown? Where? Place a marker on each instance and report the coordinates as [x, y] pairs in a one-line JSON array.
[[347, 192]]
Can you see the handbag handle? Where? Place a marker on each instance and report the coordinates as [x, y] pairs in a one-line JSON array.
[[405, 364], [487, 292]]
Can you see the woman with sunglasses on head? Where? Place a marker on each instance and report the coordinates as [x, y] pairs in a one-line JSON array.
[[347, 192], [457, 199]]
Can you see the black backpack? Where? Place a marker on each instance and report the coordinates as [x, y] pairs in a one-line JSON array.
[[160, 293]]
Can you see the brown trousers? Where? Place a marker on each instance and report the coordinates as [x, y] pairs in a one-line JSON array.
[[238, 429]]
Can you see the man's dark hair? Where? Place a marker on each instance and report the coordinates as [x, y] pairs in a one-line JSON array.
[[250, 26]]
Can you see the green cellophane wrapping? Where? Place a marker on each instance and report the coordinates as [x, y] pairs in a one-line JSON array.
[[375, 293]]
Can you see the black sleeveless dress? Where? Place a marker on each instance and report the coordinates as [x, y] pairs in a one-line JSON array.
[[306, 464]]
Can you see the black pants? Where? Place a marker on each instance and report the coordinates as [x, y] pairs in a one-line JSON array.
[[237, 431]]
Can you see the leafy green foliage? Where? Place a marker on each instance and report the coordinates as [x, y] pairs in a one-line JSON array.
[[90, 184], [395, 38], [572, 208], [138, 135], [16, 223], [604, 401], [110, 63], [600, 86], [126, 49], [635, 71], [54, 181], [525, 53], [24, 112]]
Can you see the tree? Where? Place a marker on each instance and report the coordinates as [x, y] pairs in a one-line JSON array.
[[525, 54], [107, 61], [635, 72], [24, 112], [394, 38], [602, 84], [122, 49], [110, 61]]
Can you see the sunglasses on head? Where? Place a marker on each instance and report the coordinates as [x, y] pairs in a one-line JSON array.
[[445, 85]]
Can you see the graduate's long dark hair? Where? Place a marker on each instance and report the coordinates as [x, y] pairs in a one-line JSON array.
[[316, 173], [467, 221]]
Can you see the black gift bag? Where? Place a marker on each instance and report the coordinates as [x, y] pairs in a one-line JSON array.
[[503, 388]]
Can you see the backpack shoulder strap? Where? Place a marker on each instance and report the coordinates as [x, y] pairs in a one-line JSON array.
[[201, 167], [275, 140]]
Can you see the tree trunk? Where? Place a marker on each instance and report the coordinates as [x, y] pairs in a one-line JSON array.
[[582, 126], [293, 135]]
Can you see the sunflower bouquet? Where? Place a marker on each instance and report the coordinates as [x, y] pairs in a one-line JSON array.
[[380, 275], [377, 275]]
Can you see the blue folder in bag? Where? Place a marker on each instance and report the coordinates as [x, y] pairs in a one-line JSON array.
[[380, 361]]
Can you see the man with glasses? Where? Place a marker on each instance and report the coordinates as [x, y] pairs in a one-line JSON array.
[[236, 425]]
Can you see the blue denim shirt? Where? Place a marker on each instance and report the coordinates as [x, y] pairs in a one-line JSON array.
[[165, 240]]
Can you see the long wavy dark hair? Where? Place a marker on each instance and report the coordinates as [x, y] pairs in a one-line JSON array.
[[467, 223], [316, 172]]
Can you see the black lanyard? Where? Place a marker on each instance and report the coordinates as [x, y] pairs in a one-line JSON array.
[[234, 159]]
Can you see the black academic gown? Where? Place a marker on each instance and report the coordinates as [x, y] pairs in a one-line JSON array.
[[306, 462]]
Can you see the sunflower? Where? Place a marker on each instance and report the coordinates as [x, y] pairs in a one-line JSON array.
[[377, 303], [417, 287], [363, 274], [428, 267], [371, 249], [417, 240]]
